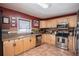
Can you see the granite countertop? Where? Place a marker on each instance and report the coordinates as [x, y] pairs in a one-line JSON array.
[[17, 36]]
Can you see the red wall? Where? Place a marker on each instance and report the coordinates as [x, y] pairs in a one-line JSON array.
[[11, 13]]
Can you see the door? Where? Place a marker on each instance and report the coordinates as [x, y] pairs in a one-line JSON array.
[[26, 43], [44, 38], [8, 48], [18, 46], [72, 21], [52, 39], [33, 41], [42, 24]]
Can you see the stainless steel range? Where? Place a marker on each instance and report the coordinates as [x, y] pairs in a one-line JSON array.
[[62, 40], [62, 36]]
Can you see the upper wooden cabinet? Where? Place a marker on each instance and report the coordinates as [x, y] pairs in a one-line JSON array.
[[51, 23], [42, 24], [48, 23], [72, 21], [61, 20], [8, 48]]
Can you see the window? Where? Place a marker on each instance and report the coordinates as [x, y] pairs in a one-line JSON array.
[[24, 26]]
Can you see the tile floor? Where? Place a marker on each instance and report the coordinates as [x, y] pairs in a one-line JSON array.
[[46, 50]]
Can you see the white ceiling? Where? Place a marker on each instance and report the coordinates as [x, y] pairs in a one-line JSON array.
[[56, 9]]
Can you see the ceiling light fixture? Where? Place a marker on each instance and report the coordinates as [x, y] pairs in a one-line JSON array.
[[43, 5]]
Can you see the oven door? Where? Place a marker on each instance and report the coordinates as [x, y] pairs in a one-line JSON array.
[[62, 42], [38, 40]]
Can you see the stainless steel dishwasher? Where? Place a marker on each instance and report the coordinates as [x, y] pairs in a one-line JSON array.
[[38, 40]]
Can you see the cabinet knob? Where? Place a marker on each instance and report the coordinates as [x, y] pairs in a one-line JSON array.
[[14, 44], [30, 40]]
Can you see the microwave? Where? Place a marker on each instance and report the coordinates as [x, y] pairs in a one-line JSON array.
[[62, 26]]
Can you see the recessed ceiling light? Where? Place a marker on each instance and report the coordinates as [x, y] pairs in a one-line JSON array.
[[43, 5]]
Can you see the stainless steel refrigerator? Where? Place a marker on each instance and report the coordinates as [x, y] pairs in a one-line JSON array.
[[77, 35]]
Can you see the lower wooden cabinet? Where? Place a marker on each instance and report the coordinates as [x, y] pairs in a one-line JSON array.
[[71, 44], [18, 46], [52, 39], [26, 43], [48, 38], [8, 48], [43, 38], [32, 41]]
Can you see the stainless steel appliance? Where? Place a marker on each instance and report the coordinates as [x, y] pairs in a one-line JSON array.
[[62, 40], [38, 40], [62, 25], [77, 38], [77, 35], [62, 35]]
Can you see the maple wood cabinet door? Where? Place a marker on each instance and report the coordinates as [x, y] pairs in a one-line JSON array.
[[33, 41], [72, 21], [71, 44], [48, 23], [53, 23], [42, 24], [52, 39], [26, 43], [44, 38], [8, 48], [18, 46], [48, 39]]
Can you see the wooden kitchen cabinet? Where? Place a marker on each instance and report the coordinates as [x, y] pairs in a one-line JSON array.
[[48, 23], [71, 44], [61, 20], [53, 23], [26, 43], [72, 21], [44, 38], [33, 41], [42, 24], [18, 46], [50, 39], [8, 48]]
